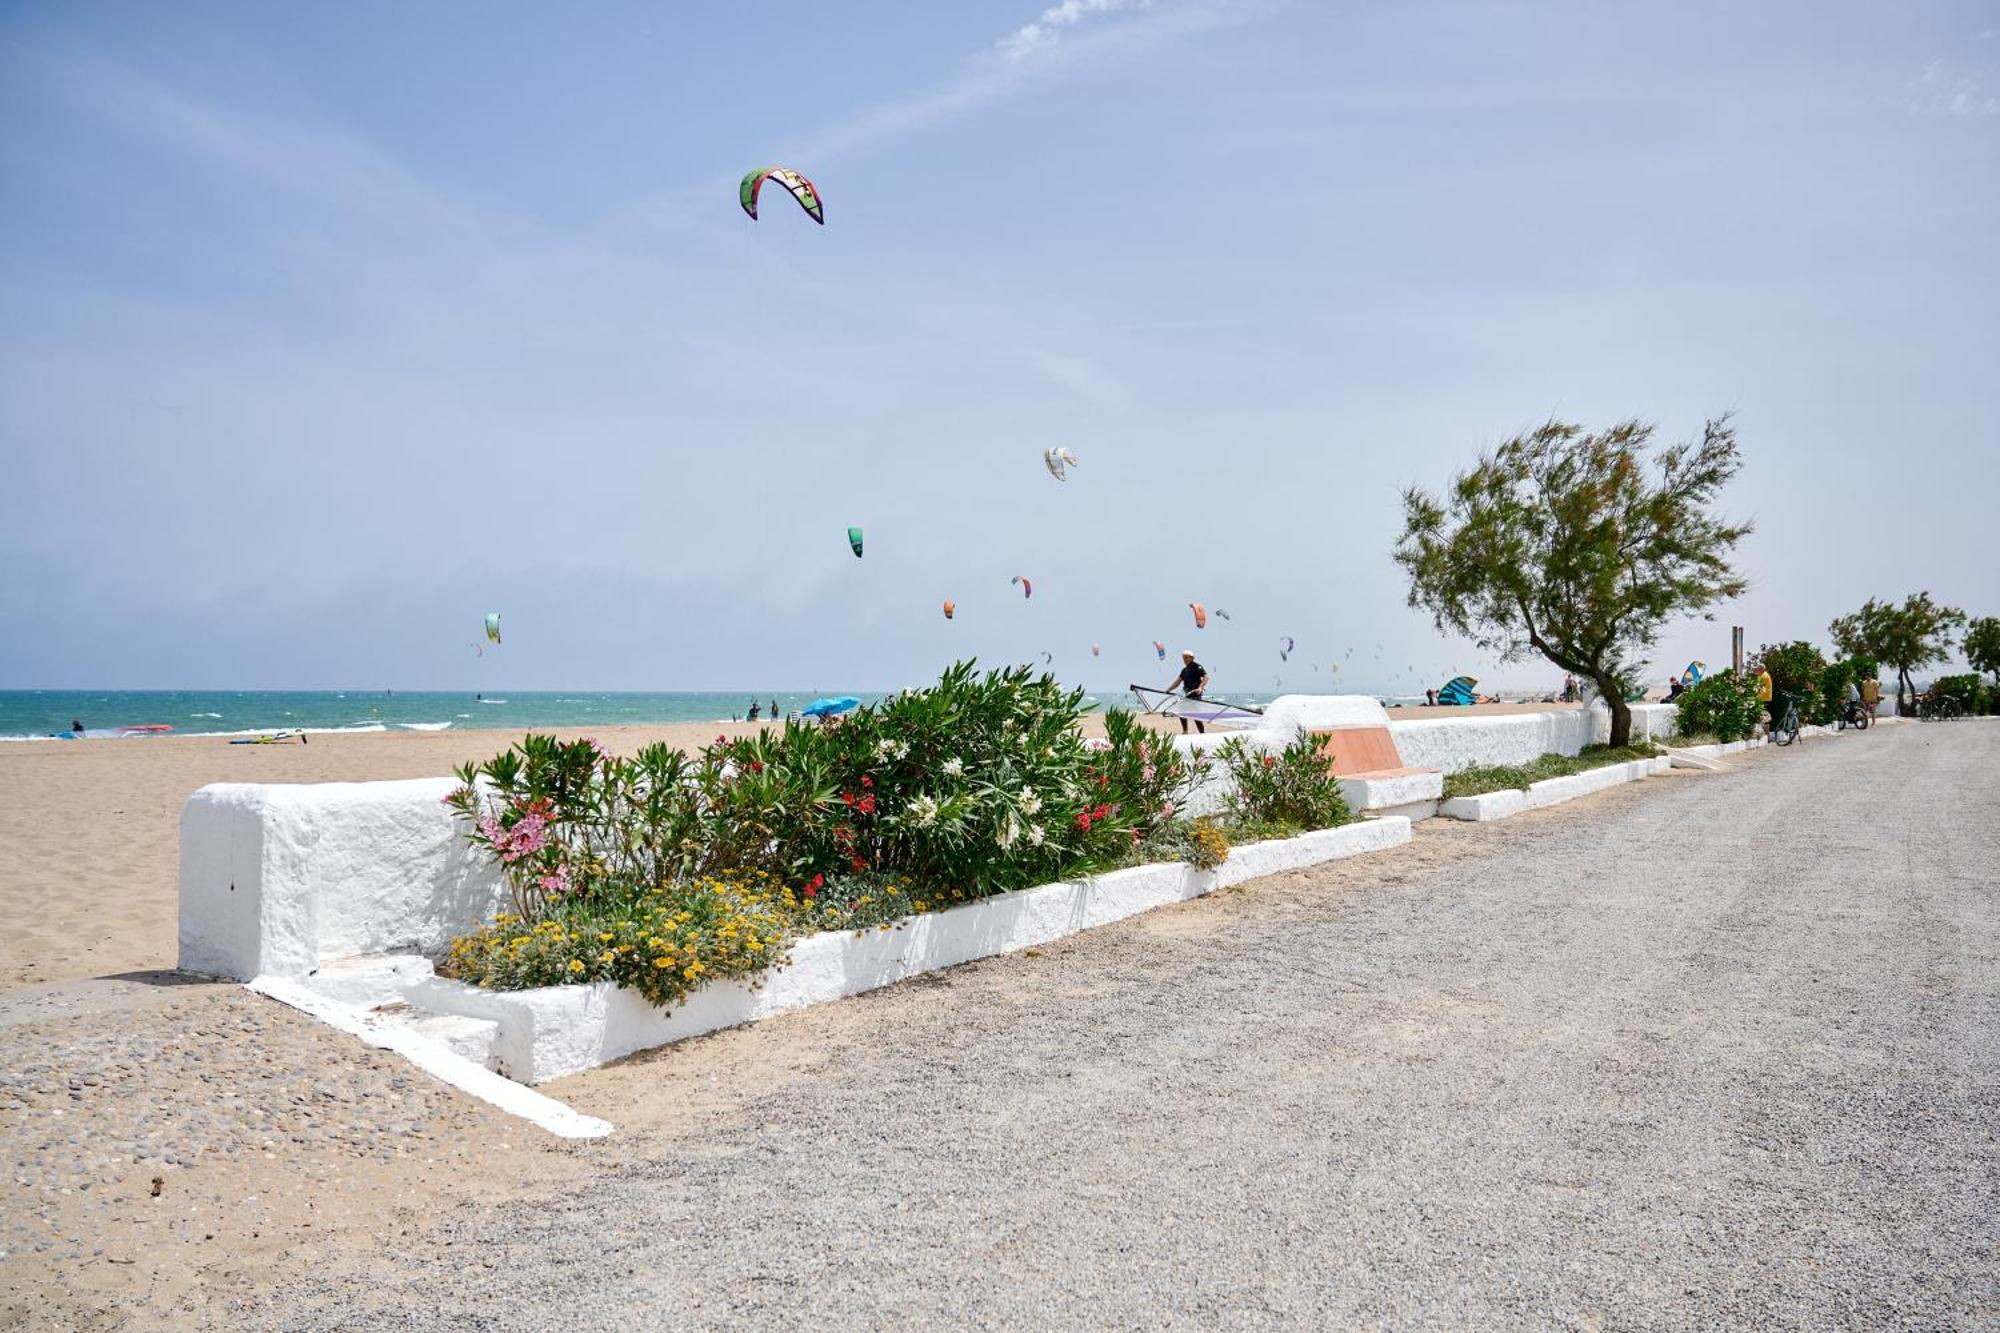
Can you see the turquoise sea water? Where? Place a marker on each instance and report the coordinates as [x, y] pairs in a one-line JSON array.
[[26, 714], [105, 714]]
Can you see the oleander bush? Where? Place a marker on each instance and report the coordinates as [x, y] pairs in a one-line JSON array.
[[979, 785], [1293, 789], [1724, 705]]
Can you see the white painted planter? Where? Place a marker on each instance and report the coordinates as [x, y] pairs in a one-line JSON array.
[[559, 1030], [1550, 791]]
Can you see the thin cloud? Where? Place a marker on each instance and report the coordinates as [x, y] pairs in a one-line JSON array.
[[1025, 41]]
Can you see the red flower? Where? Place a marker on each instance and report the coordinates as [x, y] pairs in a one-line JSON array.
[[756, 765], [860, 862], [867, 781], [866, 805], [1270, 761], [812, 889], [848, 797], [1083, 820]]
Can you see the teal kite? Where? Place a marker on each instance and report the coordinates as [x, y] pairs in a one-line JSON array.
[[854, 540]]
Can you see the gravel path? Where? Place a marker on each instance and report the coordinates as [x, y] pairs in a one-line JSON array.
[[1716, 1050]]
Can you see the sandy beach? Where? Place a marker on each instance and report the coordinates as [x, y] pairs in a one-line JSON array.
[[91, 829]]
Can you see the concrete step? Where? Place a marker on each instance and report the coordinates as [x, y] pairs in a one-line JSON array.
[[368, 982], [472, 1038], [1683, 759]]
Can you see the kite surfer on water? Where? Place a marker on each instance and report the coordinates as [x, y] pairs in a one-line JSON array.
[[1192, 680]]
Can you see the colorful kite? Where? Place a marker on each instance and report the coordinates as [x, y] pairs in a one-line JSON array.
[[1200, 615], [1159, 650], [492, 627], [949, 607], [1027, 588], [854, 540], [1057, 461], [1693, 672], [801, 190]]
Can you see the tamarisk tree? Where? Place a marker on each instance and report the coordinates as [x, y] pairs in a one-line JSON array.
[[1907, 637], [1982, 645], [1563, 543]]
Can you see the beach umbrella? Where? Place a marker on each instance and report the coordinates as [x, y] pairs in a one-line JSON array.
[[829, 707]]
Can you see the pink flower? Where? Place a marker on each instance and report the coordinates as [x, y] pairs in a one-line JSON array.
[[1167, 810], [1146, 773], [557, 883]]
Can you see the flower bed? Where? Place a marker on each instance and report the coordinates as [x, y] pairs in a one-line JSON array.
[[1479, 781], [551, 1031], [666, 872]]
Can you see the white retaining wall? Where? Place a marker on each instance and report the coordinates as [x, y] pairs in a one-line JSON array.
[[1457, 743], [276, 879], [559, 1030]]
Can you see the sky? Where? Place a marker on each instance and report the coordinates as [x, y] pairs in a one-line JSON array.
[[326, 329]]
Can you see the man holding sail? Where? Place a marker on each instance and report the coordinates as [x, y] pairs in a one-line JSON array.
[[1191, 682]]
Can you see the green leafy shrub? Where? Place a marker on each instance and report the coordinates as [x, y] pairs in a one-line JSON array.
[[1798, 672], [1724, 704], [662, 943], [688, 867], [1294, 788], [1969, 689], [1517, 777]]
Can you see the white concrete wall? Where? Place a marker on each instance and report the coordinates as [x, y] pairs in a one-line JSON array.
[[276, 879], [1454, 743]]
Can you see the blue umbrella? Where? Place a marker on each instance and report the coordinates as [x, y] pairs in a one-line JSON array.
[[828, 707]]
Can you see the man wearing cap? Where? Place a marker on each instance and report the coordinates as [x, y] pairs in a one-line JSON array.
[[1192, 680]]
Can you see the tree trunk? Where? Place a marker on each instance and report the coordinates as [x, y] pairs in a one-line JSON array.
[[1902, 687], [1613, 694]]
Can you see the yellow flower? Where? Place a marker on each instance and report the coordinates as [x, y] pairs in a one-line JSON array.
[[663, 961], [604, 938], [607, 957], [576, 965]]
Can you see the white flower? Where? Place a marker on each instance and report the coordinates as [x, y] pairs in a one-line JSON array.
[[1009, 831], [1030, 803], [1035, 835], [900, 750], [923, 812], [954, 767], [885, 747]]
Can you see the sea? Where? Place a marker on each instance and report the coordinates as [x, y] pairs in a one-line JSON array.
[[27, 715]]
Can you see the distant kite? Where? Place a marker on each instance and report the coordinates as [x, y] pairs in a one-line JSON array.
[[1096, 649], [1058, 461], [801, 190], [1285, 653], [949, 607], [1159, 650], [1222, 614], [1027, 588], [1200, 615], [492, 627], [854, 540]]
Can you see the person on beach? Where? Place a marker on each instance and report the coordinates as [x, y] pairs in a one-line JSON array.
[[76, 726], [1764, 696], [754, 706], [1192, 681]]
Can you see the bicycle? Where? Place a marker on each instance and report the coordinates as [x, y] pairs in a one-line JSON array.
[[1787, 729], [1854, 714]]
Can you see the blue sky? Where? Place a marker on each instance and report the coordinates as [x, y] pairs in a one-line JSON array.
[[325, 329]]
